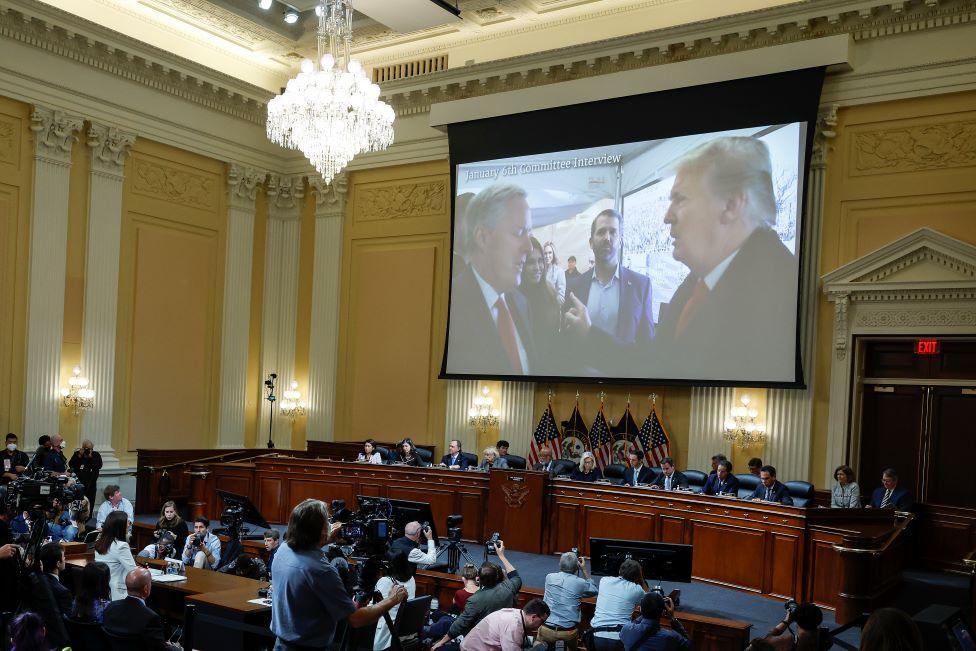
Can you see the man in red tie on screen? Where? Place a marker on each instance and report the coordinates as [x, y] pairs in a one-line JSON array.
[[489, 323]]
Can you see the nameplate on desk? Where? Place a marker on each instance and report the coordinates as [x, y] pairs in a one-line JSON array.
[[516, 478]]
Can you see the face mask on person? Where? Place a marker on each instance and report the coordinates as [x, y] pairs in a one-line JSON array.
[[12, 447]]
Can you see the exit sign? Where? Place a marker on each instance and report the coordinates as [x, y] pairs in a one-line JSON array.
[[927, 347]]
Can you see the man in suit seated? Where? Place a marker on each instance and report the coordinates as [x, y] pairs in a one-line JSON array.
[[670, 479], [723, 481], [771, 490], [637, 472], [545, 460], [716, 458], [755, 466], [489, 328], [51, 557], [453, 459], [132, 618], [888, 495]]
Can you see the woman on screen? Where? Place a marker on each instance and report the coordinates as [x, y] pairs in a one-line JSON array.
[[492, 459], [542, 300], [369, 453], [555, 275], [587, 470]]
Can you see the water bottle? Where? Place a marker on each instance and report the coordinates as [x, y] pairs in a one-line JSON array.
[[434, 604]]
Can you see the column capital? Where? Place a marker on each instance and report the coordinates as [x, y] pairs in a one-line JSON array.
[[285, 195], [824, 131], [54, 133], [330, 198], [110, 147], [242, 185]]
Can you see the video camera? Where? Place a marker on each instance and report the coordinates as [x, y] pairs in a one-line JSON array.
[[38, 494], [369, 529]]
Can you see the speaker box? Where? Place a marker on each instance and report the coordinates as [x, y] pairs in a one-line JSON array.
[[936, 623]]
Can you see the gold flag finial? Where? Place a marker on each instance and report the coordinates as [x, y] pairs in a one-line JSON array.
[[577, 395], [549, 393], [653, 398], [603, 394]]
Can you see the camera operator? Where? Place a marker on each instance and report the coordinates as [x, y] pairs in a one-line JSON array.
[[248, 567], [55, 461], [164, 547], [498, 590], [807, 618], [409, 544], [645, 632], [14, 463], [87, 464], [309, 597], [202, 549]]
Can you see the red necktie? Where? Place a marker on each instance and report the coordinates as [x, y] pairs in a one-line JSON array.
[[506, 330], [697, 297]]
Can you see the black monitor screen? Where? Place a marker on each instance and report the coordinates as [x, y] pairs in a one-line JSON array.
[[661, 561]]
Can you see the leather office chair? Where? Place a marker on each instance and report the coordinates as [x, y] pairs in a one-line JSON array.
[[655, 473], [425, 456], [696, 479], [748, 483], [410, 620], [86, 636], [384, 454], [118, 642], [563, 467], [615, 473], [515, 461], [472, 459], [802, 492]]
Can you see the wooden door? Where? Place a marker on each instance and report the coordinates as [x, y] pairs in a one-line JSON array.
[[891, 436], [949, 475]]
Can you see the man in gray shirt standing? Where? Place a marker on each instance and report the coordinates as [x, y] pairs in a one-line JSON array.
[[564, 590]]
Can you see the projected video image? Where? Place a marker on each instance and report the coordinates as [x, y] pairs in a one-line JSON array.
[[665, 259]]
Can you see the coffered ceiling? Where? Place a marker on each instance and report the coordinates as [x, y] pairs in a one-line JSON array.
[[238, 38]]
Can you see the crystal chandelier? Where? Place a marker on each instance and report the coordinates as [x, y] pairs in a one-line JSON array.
[[742, 428], [292, 406], [483, 416], [77, 397], [331, 112]]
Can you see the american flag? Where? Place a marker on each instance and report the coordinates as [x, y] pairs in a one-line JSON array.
[[652, 440], [601, 440], [546, 434]]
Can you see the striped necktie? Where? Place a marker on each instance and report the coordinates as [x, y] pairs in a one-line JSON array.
[[768, 493], [886, 502]]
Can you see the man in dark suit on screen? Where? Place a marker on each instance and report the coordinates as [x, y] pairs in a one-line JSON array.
[[489, 329], [132, 619]]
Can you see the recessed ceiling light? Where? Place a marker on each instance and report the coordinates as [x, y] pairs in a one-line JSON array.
[[291, 17], [265, 4]]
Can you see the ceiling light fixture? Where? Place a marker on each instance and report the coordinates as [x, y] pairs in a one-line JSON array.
[[265, 4], [330, 111], [291, 17]]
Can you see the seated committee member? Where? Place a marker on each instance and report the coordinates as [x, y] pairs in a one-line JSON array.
[[309, 597], [202, 548], [502, 447], [409, 544], [723, 481], [637, 472], [454, 459], [770, 489], [563, 592], [492, 460], [131, 618], [369, 453], [489, 328], [587, 470], [755, 466], [545, 460], [508, 629], [407, 454], [845, 494], [670, 479], [645, 632], [615, 603], [112, 549], [498, 590], [716, 458], [888, 495], [113, 502]]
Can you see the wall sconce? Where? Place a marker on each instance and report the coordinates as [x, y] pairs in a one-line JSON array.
[[741, 428], [483, 416], [291, 405], [77, 397]]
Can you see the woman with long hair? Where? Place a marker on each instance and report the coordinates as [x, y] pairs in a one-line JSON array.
[[543, 303], [400, 572], [94, 593], [112, 549], [555, 275], [408, 453], [369, 453], [170, 520], [28, 633]]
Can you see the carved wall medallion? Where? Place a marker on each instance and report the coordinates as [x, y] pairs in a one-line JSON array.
[[173, 184], [922, 147], [515, 493], [404, 200], [9, 141]]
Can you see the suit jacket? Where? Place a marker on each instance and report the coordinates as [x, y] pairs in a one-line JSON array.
[[635, 318], [644, 475], [747, 316], [712, 486], [543, 466], [779, 494], [901, 499], [462, 461], [61, 594], [676, 478], [475, 346], [130, 617]]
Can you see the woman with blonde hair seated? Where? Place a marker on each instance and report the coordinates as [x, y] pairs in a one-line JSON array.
[[492, 459], [587, 470]]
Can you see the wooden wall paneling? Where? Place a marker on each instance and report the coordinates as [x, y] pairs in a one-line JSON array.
[[371, 489], [673, 529], [625, 524], [567, 525], [785, 566], [823, 570], [729, 555], [273, 498], [950, 534]]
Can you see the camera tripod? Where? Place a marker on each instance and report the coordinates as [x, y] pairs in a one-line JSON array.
[[455, 552]]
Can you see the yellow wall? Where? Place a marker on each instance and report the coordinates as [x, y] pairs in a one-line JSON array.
[[894, 167], [16, 172]]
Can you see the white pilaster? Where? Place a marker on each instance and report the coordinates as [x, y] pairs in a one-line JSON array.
[[242, 187], [330, 203], [285, 195], [516, 415], [460, 396], [709, 408], [54, 134], [109, 148], [789, 412]]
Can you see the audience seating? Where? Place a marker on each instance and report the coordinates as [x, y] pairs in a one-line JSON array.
[[615, 473], [410, 619], [748, 483], [472, 458], [515, 461], [696, 480], [802, 492], [563, 467], [86, 636]]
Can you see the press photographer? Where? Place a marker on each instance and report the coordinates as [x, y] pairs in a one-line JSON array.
[[87, 464], [807, 637], [202, 548], [645, 632], [164, 547], [410, 544]]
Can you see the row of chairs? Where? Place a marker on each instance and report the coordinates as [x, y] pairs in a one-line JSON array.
[[514, 461]]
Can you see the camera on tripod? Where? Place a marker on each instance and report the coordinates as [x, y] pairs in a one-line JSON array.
[[35, 494], [454, 527], [369, 529]]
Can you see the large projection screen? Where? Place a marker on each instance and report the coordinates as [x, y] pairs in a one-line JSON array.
[[648, 239]]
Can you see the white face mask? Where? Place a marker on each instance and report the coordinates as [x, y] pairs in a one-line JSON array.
[[62, 446], [12, 447]]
